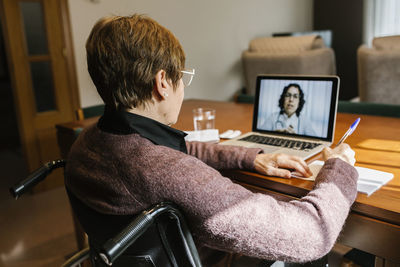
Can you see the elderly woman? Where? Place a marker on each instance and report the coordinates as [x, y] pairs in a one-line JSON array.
[[133, 159]]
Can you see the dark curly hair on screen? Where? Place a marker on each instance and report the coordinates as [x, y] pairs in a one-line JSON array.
[[301, 101]]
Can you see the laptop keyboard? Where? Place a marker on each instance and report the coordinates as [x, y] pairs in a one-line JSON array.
[[273, 141]]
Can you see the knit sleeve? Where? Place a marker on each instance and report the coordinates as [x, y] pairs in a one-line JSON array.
[[226, 216], [224, 157]]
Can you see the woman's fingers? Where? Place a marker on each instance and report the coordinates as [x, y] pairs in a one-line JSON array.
[[294, 162], [342, 151], [278, 172], [277, 165]]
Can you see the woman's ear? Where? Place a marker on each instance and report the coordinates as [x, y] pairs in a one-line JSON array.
[[161, 85]]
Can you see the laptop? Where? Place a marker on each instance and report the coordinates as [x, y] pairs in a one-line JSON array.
[[292, 114]]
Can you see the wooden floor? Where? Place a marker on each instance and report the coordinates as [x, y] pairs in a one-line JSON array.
[[36, 230]]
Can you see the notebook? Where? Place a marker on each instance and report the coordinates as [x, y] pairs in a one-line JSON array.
[[292, 114], [369, 180]]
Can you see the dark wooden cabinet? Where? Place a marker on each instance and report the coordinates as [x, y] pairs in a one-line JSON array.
[[345, 19]]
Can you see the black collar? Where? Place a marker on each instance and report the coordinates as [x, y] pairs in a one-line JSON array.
[[123, 122]]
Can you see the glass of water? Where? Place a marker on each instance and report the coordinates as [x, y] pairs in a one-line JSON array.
[[203, 118]]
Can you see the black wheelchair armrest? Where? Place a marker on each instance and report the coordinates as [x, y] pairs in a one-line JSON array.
[[114, 247], [35, 177], [78, 258]]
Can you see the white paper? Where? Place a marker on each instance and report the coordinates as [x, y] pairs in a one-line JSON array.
[[367, 188], [370, 175], [209, 135], [369, 180], [230, 134]]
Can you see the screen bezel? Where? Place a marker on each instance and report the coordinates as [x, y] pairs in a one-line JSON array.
[[332, 111]]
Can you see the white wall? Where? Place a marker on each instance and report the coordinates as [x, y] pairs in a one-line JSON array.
[[213, 34]]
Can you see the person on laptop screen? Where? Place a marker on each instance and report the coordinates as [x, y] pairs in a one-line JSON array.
[[289, 118]]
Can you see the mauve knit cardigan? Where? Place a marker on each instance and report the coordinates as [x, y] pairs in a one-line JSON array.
[[124, 174]]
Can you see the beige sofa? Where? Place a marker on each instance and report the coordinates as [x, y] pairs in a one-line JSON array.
[[379, 71], [286, 55]]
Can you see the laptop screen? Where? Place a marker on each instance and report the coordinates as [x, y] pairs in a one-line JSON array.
[[297, 105]]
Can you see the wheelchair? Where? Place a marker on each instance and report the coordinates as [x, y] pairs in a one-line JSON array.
[[163, 224]]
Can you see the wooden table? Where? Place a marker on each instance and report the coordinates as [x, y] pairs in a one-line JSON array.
[[374, 222]]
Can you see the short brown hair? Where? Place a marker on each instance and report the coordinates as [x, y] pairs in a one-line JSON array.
[[125, 53]]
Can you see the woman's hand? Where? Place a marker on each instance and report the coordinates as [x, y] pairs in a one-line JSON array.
[[277, 165], [288, 129], [343, 152]]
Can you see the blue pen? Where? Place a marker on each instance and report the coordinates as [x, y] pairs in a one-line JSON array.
[[349, 131]]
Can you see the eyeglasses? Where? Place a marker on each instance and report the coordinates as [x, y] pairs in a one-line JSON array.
[[288, 95], [187, 76]]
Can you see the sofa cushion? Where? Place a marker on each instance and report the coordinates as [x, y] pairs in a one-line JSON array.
[[286, 44], [387, 43]]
